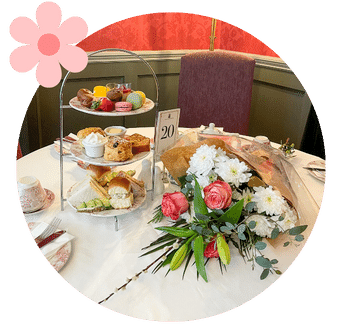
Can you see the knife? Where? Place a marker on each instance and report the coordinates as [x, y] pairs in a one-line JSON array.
[[50, 238], [315, 168]]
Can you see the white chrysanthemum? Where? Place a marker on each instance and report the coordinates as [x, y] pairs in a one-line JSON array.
[[202, 162], [268, 200], [290, 218], [233, 171], [263, 227]]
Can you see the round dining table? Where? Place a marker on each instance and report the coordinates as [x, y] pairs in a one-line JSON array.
[[103, 254]]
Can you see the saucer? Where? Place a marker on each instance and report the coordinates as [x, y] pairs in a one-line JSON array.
[[50, 197]]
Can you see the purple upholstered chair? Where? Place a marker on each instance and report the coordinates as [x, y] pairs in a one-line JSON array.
[[216, 87]]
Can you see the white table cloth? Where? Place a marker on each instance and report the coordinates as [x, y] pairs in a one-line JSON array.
[[103, 258]]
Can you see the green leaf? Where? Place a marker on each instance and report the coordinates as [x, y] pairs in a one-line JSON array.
[[299, 237], [189, 178], [199, 257], [233, 214], [275, 233], [261, 261], [264, 274], [274, 261], [177, 231], [178, 258], [199, 204], [241, 236], [278, 272], [260, 245], [297, 229], [286, 243], [225, 229], [223, 249]]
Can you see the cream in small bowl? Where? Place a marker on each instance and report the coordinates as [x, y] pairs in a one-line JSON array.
[[94, 145], [115, 131]]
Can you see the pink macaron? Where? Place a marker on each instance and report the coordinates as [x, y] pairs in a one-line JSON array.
[[123, 106]]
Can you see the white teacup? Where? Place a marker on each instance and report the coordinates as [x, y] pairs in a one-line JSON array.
[[31, 193]]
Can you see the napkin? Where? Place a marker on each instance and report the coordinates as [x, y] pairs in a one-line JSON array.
[[50, 249], [65, 144]]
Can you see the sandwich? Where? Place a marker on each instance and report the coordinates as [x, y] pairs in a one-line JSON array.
[[101, 174], [85, 191], [138, 187], [120, 192]]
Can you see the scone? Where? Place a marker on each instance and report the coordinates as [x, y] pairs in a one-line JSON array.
[[118, 149], [87, 131], [139, 143]]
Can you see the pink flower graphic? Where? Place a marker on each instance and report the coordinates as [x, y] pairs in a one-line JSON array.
[[48, 44]]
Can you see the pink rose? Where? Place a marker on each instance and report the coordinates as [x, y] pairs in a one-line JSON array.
[[211, 249], [218, 195], [174, 204]]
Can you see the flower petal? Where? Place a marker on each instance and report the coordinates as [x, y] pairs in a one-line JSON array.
[[72, 58], [49, 72], [24, 58], [49, 17], [72, 30], [24, 30]]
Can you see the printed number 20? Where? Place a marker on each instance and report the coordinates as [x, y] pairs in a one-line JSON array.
[[168, 131]]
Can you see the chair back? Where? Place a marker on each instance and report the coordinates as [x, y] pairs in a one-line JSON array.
[[216, 87]]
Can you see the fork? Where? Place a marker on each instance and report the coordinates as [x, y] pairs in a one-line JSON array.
[[51, 228]]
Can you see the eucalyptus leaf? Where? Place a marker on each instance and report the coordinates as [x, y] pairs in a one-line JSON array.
[[250, 206], [286, 243], [202, 217], [189, 178], [263, 262], [199, 257], [299, 237], [297, 229], [229, 226], [233, 214], [214, 228], [260, 245], [252, 224], [264, 274], [241, 236], [275, 233], [274, 261], [241, 228]]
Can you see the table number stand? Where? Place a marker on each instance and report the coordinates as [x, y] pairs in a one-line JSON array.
[[61, 125]]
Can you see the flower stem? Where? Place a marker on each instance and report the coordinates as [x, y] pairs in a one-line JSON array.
[[122, 287]]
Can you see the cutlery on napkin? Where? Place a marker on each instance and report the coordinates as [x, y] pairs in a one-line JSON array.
[[54, 245], [314, 168], [67, 141]]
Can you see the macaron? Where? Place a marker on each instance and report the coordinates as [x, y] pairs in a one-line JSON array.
[[123, 106], [142, 94], [135, 99]]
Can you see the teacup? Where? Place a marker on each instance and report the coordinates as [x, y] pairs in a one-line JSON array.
[[31, 193]]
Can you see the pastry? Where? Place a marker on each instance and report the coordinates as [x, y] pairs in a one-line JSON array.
[[120, 191], [114, 95], [135, 99], [118, 149], [123, 106], [139, 143], [87, 131], [86, 97]]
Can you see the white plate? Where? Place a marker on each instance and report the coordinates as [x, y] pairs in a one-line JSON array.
[[61, 257], [138, 201], [78, 151], [318, 174], [148, 105]]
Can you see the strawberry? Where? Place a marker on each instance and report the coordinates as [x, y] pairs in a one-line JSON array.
[[103, 104]]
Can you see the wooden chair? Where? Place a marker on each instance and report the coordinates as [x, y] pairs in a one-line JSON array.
[[216, 87]]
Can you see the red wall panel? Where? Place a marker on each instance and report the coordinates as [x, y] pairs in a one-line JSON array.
[[173, 31]]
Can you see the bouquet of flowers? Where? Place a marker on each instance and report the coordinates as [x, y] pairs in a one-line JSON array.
[[228, 197], [222, 203]]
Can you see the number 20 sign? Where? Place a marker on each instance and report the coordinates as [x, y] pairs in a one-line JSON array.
[[167, 130]]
